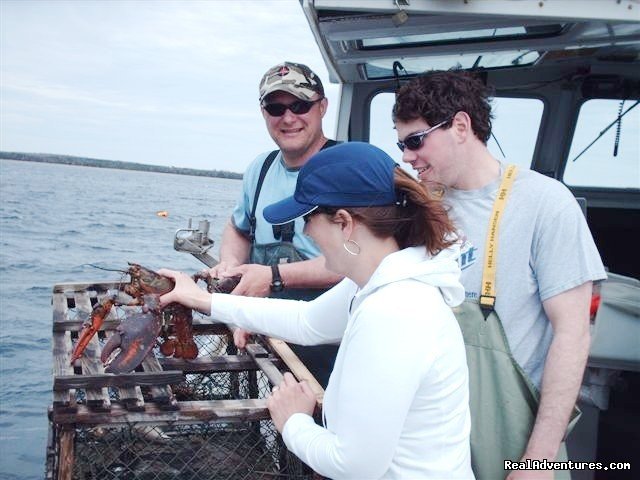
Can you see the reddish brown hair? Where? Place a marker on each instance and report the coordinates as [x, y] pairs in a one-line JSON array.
[[420, 218]]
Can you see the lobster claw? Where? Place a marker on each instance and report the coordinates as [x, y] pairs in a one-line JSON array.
[[135, 337], [217, 285], [225, 285], [99, 313]]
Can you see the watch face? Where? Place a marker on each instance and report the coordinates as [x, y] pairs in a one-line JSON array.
[[276, 286]]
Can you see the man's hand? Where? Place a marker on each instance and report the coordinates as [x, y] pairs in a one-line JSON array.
[[220, 270], [255, 281], [564, 366], [288, 398], [568, 313]]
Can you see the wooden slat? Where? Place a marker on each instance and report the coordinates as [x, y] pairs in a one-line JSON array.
[[90, 360], [206, 326], [295, 365], [62, 347], [160, 394], [199, 327], [123, 380], [189, 412], [208, 364], [261, 357], [67, 454], [82, 287], [76, 325]]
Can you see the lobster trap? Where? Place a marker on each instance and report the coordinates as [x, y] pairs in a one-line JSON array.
[[171, 418]]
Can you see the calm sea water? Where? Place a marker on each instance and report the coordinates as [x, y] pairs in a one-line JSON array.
[[54, 220]]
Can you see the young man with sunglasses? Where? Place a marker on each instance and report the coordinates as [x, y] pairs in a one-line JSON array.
[[535, 240], [278, 260]]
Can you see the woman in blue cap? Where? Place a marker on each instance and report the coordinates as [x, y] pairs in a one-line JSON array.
[[396, 405]]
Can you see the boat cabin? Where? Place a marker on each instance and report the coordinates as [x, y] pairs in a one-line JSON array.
[[566, 77]]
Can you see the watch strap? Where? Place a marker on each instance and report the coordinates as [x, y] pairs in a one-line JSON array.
[[276, 280]]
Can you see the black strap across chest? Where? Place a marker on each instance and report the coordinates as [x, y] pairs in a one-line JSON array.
[[280, 232], [263, 173]]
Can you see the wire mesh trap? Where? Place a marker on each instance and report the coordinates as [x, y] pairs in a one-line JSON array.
[[171, 418]]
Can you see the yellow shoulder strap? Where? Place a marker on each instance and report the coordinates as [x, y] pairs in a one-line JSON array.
[[488, 290]]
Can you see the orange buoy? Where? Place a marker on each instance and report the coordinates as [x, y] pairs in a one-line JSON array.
[[162, 213]]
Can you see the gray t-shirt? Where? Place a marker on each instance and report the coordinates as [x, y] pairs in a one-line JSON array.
[[544, 248]]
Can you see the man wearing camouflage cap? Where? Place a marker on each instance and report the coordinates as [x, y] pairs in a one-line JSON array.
[[278, 260]]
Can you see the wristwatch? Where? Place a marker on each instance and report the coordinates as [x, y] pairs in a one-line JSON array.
[[276, 280]]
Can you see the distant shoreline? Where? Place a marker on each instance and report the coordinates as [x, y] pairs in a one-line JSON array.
[[94, 162]]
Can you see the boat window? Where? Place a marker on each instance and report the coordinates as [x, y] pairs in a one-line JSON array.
[[463, 36], [383, 68], [596, 165], [515, 126]]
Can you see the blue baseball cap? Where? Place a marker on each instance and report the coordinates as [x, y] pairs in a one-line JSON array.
[[351, 174]]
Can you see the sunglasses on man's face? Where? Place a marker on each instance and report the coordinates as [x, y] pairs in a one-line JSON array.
[[299, 107], [414, 141]]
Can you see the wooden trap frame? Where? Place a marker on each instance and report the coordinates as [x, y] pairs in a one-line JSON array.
[[171, 418]]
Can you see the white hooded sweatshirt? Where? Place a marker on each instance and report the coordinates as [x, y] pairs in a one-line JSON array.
[[397, 402]]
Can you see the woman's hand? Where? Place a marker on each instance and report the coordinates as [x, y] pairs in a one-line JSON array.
[[185, 292], [241, 337], [288, 398]]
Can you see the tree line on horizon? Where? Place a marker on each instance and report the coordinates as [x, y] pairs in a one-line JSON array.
[[94, 162]]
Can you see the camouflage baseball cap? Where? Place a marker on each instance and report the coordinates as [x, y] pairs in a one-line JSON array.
[[293, 78]]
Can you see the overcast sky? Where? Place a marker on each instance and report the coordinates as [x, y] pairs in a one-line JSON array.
[[176, 83], [158, 82]]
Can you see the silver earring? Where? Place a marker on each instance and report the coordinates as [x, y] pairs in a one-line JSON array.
[[347, 248]]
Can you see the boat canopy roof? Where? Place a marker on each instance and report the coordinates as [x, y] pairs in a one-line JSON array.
[[369, 40]]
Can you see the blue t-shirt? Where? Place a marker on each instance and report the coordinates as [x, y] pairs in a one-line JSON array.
[[279, 183]]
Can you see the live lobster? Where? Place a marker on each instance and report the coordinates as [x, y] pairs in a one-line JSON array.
[[137, 334]]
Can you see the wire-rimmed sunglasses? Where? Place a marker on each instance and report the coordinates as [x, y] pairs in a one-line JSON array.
[[414, 141], [299, 107]]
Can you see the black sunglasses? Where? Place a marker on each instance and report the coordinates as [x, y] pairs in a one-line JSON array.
[[414, 141], [308, 216], [317, 210], [299, 107]]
